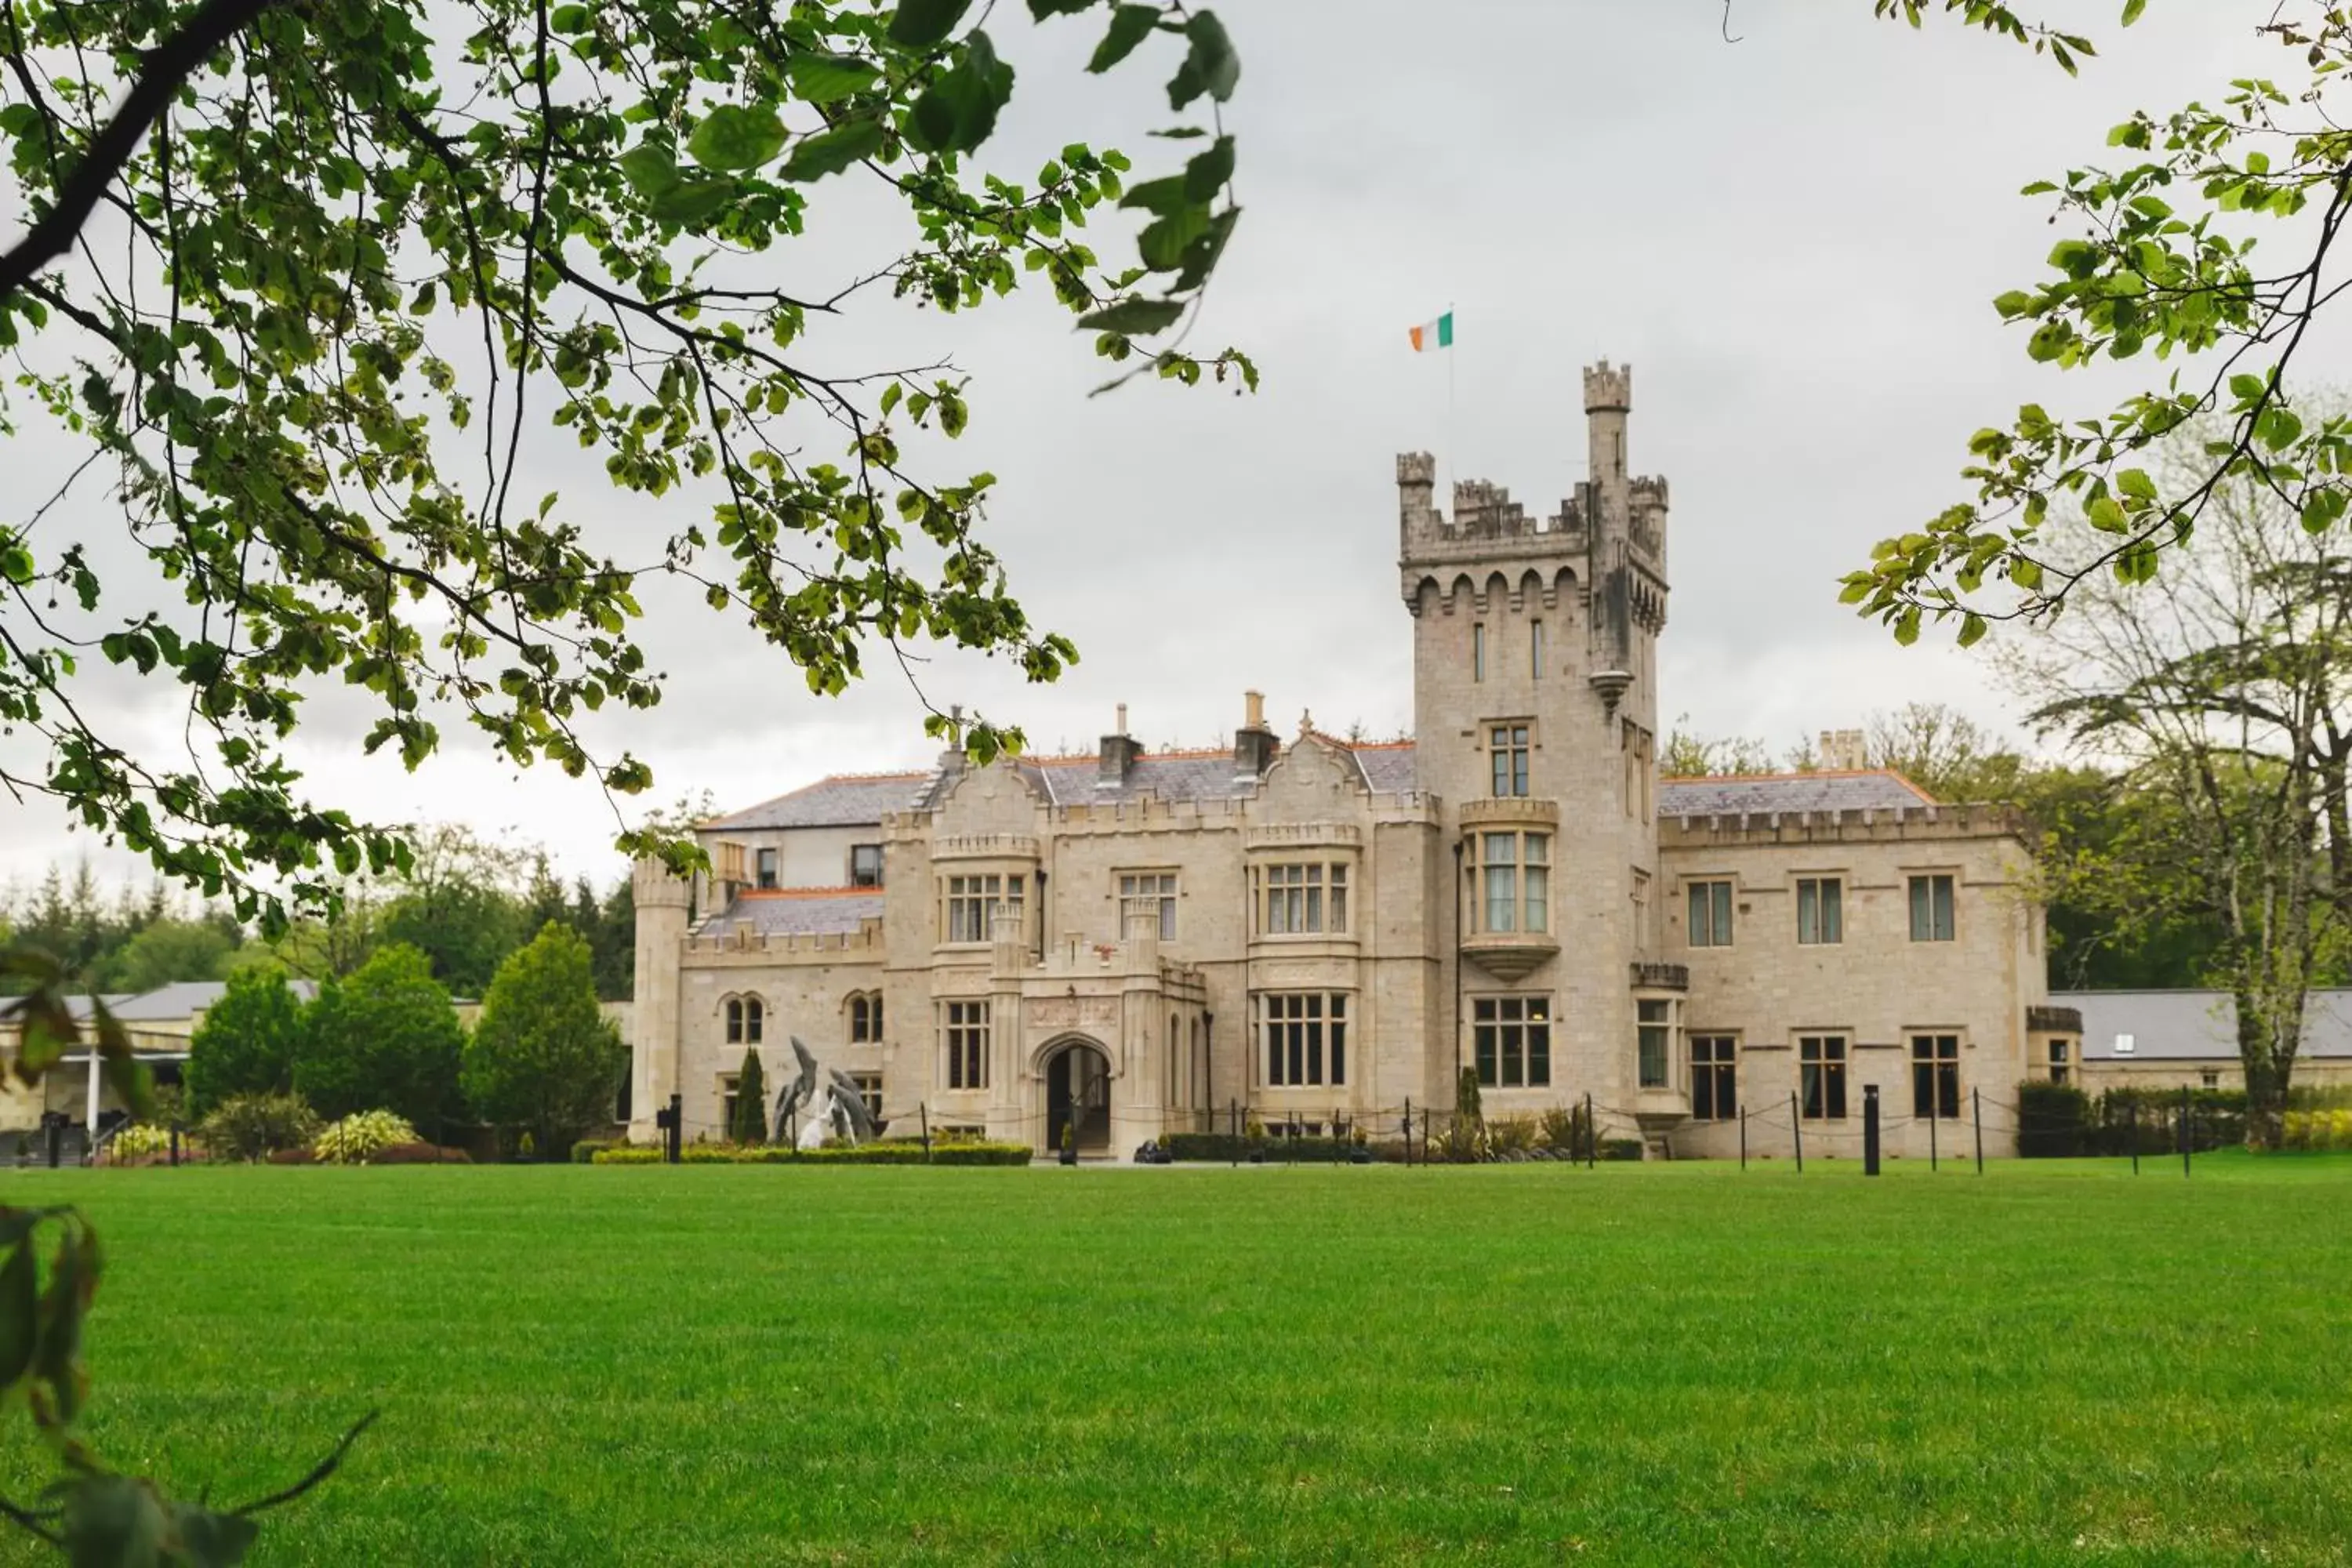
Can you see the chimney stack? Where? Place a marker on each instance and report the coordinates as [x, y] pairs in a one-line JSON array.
[[1119, 751], [1843, 751], [1255, 746]]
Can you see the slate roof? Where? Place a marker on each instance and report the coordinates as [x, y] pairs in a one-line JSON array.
[[860, 801], [797, 912], [2195, 1026], [1787, 793], [186, 999]]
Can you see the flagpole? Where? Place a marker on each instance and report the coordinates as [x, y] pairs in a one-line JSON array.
[[1452, 473]]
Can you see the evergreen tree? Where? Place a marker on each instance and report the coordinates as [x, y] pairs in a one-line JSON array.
[[385, 1039], [750, 1124], [247, 1042], [544, 1057]]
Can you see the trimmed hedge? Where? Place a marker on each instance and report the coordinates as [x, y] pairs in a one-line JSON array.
[[894, 1154], [2054, 1122], [1223, 1148]]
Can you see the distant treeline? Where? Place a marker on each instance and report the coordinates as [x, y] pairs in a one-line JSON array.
[[469, 905]]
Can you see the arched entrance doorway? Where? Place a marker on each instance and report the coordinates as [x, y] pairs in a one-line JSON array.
[[1077, 1088]]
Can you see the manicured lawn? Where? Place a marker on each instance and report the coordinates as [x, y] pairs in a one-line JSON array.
[[1672, 1364]]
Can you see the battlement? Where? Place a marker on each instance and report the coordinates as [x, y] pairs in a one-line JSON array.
[[1484, 513], [1607, 389], [1648, 491], [1852, 827], [744, 946]]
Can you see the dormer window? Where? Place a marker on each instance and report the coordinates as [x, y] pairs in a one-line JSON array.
[[866, 865], [767, 868]]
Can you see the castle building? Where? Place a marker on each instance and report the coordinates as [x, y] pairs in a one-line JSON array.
[[1314, 932]]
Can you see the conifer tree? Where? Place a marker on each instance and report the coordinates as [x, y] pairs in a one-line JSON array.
[[750, 1122]]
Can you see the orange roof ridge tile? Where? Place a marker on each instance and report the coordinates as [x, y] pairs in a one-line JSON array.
[[803, 892]]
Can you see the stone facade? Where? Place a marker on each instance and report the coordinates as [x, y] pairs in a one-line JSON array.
[[1320, 932]]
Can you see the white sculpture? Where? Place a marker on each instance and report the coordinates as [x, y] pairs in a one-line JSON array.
[[827, 1102]]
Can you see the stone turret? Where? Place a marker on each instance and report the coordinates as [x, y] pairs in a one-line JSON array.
[[663, 902]]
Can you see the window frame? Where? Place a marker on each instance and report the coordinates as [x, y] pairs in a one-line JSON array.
[[1125, 891], [766, 863], [857, 879], [1510, 745], [1823, 1062], [1301, 1039], [1715, 1076], [1525, 878], [1477, 653], [1822, 899], [1924, 888], [866, 1017], [869, 1090], [1536, 649], [963, 906], [1510, 1040], [1312, 896], [1653, 1023], [1713, 897], [964, 1037], [1935, 1076], [746, 1020]]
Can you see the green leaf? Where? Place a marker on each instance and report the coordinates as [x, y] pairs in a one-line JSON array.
[[1972, 629], [568, 19], [2107, 515], [1207, 173], [1907, 626], [2136, 483], [1211, 66], [831, 152], [2132, 8], [20, 1322], [921, 24], [960, 111], [1041, 9], [2280, 428], [1135, 318], [732, 136], [1130, 26], [650, 167], [690, 202], [2248, 389], [2013, 304], [829, 79]]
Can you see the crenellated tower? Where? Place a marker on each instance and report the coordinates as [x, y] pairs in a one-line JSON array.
[[1535, 676]]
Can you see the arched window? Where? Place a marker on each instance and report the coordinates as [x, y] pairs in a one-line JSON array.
[[865, 1018], [746, 1018]]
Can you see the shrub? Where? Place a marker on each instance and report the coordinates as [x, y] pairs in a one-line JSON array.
[[140, 1140], [1223, 1148], [960, 1152], [419, 1155], [1565, 1130], [259, 1126], [2317, 1129], [357, 1139], [751, 1101], [1620, 1147], [247, 1042], [1511, 1134], [2216, 1119], [2053, 1121], [585, 1149], [386, 1038]]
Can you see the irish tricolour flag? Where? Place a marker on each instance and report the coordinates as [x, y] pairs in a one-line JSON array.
[[1436, 334]]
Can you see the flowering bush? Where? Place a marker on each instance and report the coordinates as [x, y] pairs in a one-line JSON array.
[[357, 1137], [139, 1140], [2317, 1129], [256, 1126]]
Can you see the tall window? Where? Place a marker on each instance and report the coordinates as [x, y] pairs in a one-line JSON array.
[[1511, 1037], [767, 867], [1715, 1078], [1305, 1037], [865, 1018], [1534, 650], [963, 1030], [1509, 746], [746, 1017], [2062, 1061], [1821, 911], [1936, 1075], [972, 903], [869, 1090], [1478, 651], [1302, 900], [1653, 1030], [1515, 882], [1931, 909], [866, 865], [1821, 1072], [1710, 914], [1149, 892], [729, 1087]]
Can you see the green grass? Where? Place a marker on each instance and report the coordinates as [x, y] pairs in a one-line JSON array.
[[1672, 1364]]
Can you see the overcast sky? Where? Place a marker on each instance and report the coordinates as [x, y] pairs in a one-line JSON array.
[[1792, 238]]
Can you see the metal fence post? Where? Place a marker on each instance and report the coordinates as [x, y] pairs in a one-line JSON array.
[[1592, 1133], [1976, 1098], [1797, 1130], [1934, 1114], [1743, 1139], [924, 1110], [1408, 1131], [1870, 1129], [2185, 1130]]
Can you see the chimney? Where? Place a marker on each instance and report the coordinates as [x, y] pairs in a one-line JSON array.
[[1843, 751], [1120, 750], [1255, 746]]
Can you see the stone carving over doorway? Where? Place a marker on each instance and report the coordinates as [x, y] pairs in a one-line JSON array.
[[1098, 1012]]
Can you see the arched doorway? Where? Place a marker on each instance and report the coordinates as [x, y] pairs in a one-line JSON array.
[[1077, 1088]]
